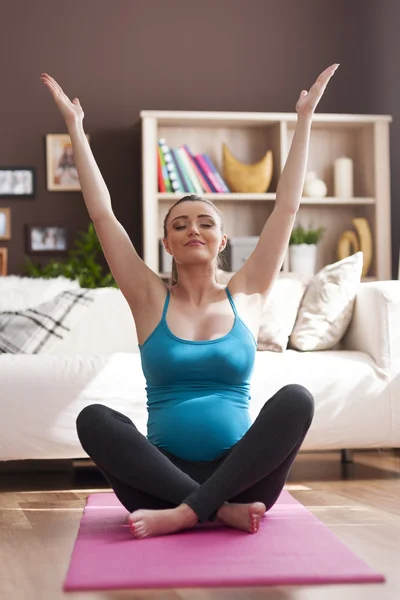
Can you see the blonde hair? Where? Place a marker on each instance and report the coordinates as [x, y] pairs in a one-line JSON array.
[[193, 198]]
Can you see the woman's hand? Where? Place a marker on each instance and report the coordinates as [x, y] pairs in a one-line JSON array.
[[71, 111], [308, 100]]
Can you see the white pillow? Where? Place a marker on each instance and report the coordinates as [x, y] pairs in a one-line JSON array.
[[280, 309], [107, 327], [20, 293], [280, 312], [327, 306]]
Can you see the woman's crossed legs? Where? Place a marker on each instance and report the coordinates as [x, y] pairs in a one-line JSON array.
[[254, 470]]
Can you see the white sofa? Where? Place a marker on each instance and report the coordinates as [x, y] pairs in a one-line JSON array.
[[356, 386]]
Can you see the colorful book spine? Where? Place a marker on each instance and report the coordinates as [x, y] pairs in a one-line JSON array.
[[189, 170], [213, 189], [206, 168], [164, 171], [217, 174], [187, 186], [204, 184], [173, 175], [161, 184]]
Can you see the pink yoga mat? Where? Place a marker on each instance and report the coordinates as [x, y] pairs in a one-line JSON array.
[[292, 547]]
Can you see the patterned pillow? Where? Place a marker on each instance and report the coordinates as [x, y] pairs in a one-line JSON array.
[[35, 330], [327, 307]]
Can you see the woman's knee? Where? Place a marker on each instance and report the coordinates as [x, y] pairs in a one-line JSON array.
[[297, 394], [90, 415]]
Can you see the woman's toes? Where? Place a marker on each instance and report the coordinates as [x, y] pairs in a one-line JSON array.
[[135, 524], [139, 533], [138, 530], [254, 523], [256, 510], [135, 517]]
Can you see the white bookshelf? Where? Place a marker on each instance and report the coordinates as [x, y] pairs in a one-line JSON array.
[[364, 138]]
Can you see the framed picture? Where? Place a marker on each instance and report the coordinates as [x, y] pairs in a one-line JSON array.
[[3, 261], [17, 182], [5, 224], [46, 239], [62, 174]]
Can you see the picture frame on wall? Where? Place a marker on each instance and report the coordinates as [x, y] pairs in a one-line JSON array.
[[47, 239], [62, 175], [3, 261], [17, 182], [5, 224]]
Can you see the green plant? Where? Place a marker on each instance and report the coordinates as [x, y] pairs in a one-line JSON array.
[[300, 235], [81, 264]]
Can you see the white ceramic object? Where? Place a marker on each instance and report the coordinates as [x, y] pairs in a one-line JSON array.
[[314, 187], [303, 258], [343, 177]]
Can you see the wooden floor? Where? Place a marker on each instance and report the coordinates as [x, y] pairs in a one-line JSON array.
[[40, 514]]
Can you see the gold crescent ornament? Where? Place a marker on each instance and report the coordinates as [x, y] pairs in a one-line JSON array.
[[365, 237], [244, 178], [349, 243]]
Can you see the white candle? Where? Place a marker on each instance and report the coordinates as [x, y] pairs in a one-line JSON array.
[[343, 177]]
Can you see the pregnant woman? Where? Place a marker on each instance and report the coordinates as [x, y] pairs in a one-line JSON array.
[[202, 459]]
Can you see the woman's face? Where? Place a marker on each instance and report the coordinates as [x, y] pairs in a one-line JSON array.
[[191, 221]]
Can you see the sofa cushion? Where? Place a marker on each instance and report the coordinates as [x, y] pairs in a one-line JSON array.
[[19, 293], [280, 309], [357, 409], [327, 306]]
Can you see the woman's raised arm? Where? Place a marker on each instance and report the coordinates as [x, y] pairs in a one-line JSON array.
[[94, 189], [134, 278]]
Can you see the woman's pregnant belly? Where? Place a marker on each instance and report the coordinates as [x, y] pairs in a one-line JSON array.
[[200, 428]]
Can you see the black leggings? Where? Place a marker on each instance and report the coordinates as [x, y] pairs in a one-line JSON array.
[[254, 469]]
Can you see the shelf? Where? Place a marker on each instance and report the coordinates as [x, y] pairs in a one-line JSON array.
[[235, 119], [231, 196], [168, 197], [363, 138]]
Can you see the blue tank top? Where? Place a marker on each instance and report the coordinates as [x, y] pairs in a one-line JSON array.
[[198, 392]]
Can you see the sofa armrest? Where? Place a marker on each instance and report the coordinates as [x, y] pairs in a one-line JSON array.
[[375, 325]]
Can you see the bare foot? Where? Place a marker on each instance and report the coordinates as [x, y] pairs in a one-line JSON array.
[[242, 516], [150, 523]]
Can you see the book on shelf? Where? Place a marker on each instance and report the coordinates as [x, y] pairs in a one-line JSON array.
[[204, 184], [187, 186], [164, 171], [214, 189], [222, 184], [172, 172], [161, 184], [183, 172], [208, 171], [187, 165]]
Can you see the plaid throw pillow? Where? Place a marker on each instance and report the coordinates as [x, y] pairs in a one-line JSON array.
[[34, 330]]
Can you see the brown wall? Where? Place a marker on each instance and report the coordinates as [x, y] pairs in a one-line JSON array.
[[122, 56], [384, 93]]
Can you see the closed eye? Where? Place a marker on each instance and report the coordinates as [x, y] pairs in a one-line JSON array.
[[182, 226]]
